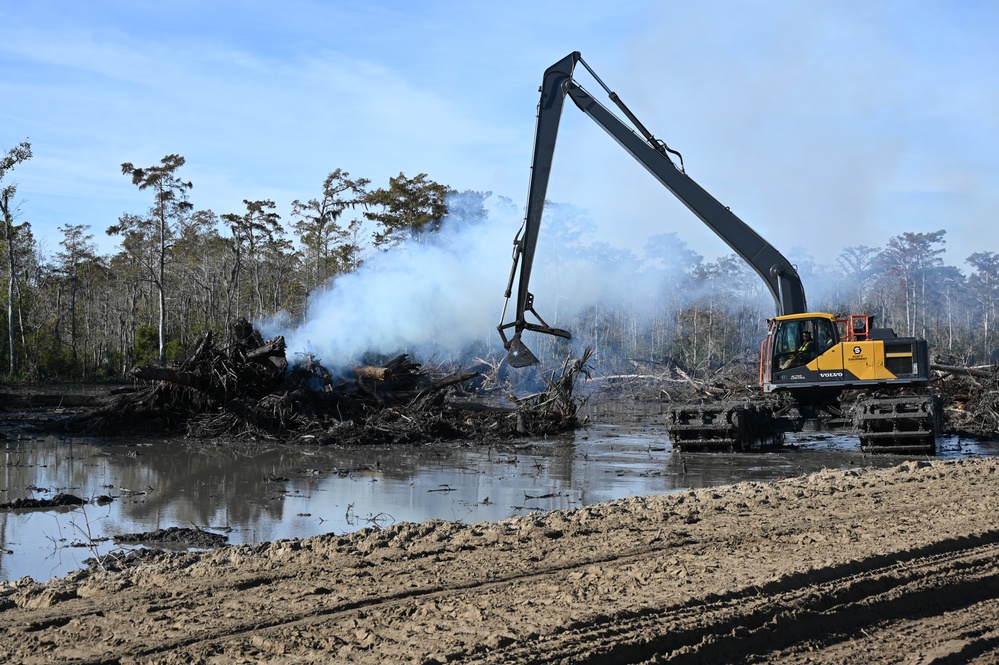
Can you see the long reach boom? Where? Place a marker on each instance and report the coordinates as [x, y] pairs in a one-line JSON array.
[[652, 153]]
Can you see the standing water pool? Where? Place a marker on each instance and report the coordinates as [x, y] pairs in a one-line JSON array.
[[253, 492]]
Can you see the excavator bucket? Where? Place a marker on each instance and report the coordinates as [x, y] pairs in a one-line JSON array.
[[518, 355]]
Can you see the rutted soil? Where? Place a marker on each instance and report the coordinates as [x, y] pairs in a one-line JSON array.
[[853, 566]]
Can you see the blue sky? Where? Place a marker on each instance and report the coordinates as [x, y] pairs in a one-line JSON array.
[[821, 124]]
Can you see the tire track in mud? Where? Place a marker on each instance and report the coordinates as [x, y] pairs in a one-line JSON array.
[[346, 608], [821, 568], [837, 602], [54, 617]]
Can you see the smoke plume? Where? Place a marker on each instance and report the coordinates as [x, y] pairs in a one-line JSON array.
[[436, 295], [440, 296]]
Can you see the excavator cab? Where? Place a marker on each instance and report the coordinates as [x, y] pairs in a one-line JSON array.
[[799, 339], [818, 350], [795, 340]]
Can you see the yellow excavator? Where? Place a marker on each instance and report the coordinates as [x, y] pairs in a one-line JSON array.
[[807, 360]]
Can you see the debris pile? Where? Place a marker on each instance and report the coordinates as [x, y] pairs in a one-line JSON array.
[[668, 381], [249, 390], [970, 396], [554, 409]]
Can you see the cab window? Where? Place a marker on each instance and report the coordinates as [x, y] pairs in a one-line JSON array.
[[825, 335], [799, 341]]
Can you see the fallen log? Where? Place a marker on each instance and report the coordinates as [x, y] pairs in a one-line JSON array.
[[180, 378], [700, 386], [273, 348], [979, 372], [450, 381], [373, 373]]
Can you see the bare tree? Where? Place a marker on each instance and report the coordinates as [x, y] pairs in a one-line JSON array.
[[408, 206], [253, 232], [327, 242], [78, 250], [910, 258], [19, 153], [170, 207], [984, 283]]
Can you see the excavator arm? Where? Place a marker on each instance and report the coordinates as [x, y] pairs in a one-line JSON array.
[[775, 270]]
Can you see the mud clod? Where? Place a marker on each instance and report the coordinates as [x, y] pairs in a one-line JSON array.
[[57, 501], [174, 535]]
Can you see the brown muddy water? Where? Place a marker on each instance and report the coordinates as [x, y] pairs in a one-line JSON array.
[[254, 492]]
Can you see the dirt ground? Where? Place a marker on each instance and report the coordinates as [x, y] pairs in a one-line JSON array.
[[857, 566]]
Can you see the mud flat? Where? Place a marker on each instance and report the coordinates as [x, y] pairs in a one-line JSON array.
[[886, 565]]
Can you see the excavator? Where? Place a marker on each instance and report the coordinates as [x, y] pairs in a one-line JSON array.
[[807, 360]]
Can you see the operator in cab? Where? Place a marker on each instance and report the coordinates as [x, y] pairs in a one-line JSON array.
[[803, 354]]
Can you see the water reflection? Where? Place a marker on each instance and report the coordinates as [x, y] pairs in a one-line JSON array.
[[259, 492]]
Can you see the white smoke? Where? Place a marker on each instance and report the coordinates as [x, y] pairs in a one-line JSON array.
[[436, 295], [440, 296]]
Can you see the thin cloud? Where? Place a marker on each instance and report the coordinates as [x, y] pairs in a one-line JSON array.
[[839, 116]]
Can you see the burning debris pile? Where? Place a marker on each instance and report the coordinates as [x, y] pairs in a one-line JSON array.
[[250, 390], [554, 409]]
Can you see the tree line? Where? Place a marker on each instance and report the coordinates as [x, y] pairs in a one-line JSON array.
[[706, 314], [178, 271]]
